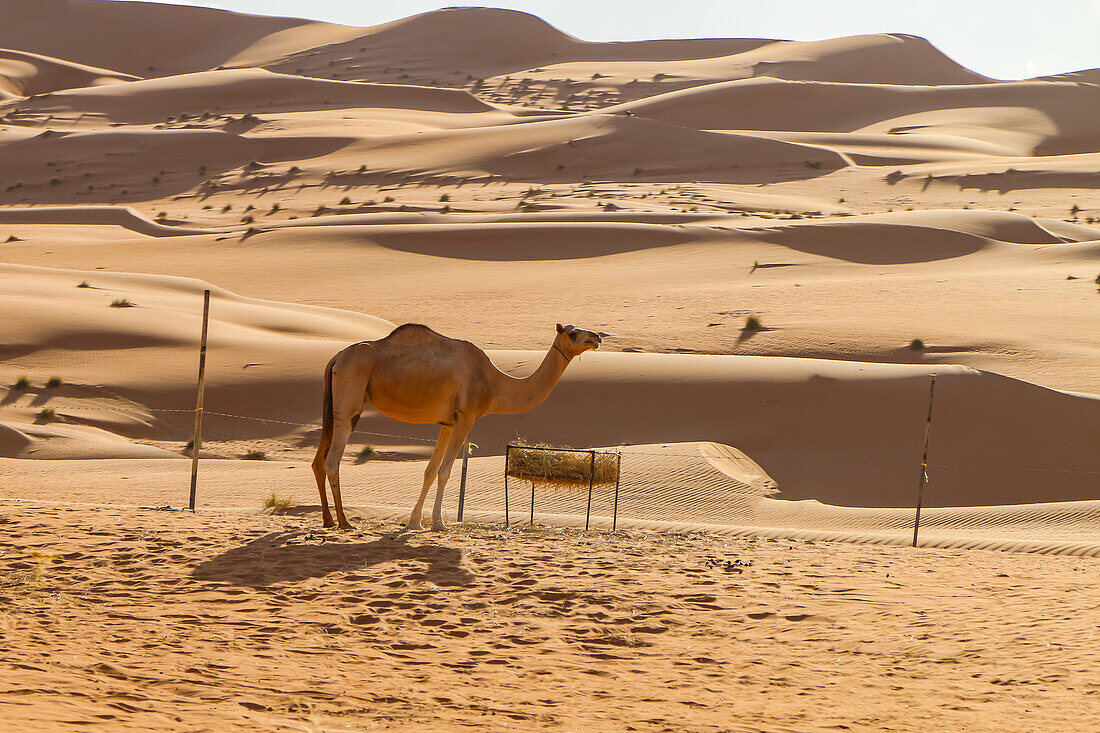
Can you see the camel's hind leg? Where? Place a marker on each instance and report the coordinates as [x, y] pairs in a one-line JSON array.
[[430, 474], [320, 474], [348, 397], [340, 434]]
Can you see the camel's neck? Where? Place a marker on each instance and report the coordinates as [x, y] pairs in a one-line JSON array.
[[519, 395]]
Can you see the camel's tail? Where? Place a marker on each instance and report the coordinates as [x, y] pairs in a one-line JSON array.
[[327, 419]]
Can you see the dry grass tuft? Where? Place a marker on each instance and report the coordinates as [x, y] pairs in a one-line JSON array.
[[278, 504]]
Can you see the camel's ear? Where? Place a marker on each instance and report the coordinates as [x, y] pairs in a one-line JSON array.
[[560, 328]]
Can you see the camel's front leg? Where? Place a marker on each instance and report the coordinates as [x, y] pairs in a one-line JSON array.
[[458, 437], [430, 473]]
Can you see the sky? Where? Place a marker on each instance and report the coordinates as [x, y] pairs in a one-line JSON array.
[[1004, 39]]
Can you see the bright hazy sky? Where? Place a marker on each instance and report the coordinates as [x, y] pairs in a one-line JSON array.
[[1006, 39]]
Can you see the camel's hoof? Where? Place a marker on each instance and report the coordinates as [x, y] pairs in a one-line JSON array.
[[438, 526], [346, 525], [328, 523], [410, 527]]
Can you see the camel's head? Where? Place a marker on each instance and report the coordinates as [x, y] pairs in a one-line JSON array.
[[573, 341]]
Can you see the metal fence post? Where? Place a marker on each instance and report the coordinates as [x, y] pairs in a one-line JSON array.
[[591, 480], [507, 461], [618, 480], [462, 484], [196, 441], [924, 460]]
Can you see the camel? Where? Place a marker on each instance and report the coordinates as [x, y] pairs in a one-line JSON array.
[[415, 375]]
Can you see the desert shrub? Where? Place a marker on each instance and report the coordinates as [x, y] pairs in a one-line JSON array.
[[46, 414], [121, 303], [21, 384], [445, 197], [346, 201], [84, 284], [255, 455], [916, 345], [53, 382], [367, 451], [278, 503], [752, 323]]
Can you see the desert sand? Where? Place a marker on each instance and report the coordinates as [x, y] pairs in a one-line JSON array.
[[488, 175]]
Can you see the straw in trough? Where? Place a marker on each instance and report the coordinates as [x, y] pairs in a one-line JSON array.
[[547, 465]]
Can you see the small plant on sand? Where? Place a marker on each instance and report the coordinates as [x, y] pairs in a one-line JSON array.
[[227, 207], [43, 560], [255, 455], [53, 382], [247, 219], [21, 384], [121, 303], [445, 197], [752, 323], [156, 179], [345, 201], [46, 414], [84, 284], [916, 345], [278, 503], [1074, 210], [367, 452], [162, 215], [275, 207]]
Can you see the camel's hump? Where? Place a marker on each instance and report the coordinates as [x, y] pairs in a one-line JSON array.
[[413, 333]]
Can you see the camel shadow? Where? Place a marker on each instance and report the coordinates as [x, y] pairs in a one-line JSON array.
[[290, 556]]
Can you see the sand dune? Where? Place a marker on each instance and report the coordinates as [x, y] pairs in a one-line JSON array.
[[131, 165], [1042, 118], [170, 39], [598, 146], [247, 91], [26, 74], [120, 216]]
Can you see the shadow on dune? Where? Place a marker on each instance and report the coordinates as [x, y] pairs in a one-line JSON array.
[[290, 556], [1021, 180], [874, 243], [532, 241]]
